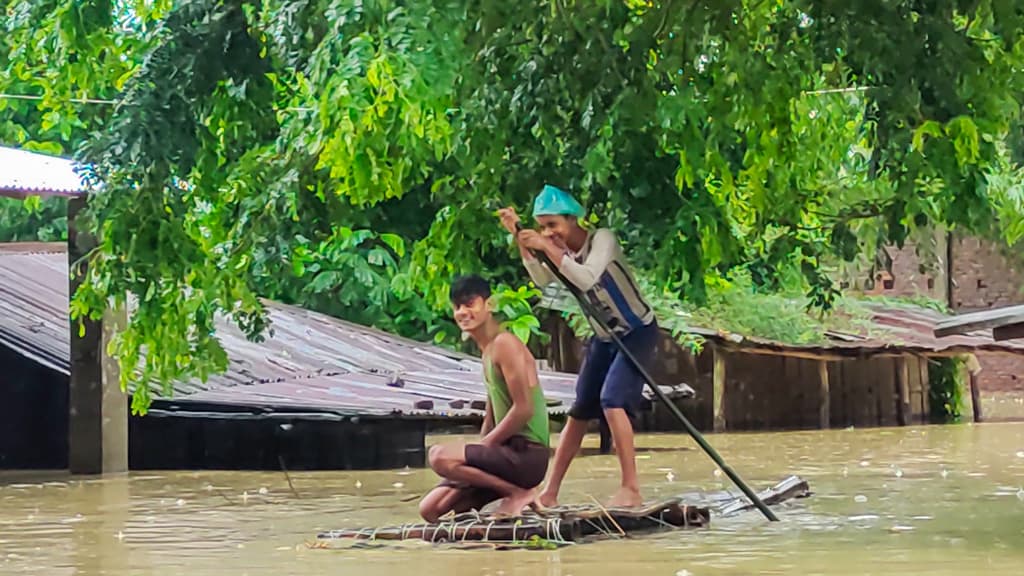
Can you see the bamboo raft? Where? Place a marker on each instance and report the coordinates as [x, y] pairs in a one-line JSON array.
[[574, 524]]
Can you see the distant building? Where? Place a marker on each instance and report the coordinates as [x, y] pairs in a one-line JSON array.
[[968, 274]]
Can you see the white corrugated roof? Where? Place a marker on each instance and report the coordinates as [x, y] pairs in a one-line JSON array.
[[23, 172]]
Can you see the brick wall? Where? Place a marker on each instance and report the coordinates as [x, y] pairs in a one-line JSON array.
[[982, 278], [907, 277]]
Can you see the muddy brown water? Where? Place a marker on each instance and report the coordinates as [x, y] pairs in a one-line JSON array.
[[927, 500]]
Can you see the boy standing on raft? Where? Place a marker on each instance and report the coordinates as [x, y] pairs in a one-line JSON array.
[[608, 381], [512, 456]]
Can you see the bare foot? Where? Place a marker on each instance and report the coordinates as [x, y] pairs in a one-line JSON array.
[[545, 500], [626, 498], [513, 504]]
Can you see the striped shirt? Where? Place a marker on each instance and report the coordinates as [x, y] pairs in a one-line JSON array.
[[601, 272]]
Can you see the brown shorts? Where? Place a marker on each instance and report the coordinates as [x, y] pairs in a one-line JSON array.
[[518, 461]]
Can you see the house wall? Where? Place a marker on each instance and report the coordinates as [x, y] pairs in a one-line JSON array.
[[773, 392], [908, 278], [982, 278], [34, 433], [165, 440], [33, 414]]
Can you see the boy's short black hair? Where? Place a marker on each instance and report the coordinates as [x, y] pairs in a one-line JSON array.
[[466, 288]]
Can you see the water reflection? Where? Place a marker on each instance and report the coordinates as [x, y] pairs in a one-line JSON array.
[[942, 500]]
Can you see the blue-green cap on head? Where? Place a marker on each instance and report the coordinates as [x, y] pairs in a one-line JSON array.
[[553, 201]]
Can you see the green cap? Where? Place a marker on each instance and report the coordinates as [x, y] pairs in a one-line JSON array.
[[554, 202]]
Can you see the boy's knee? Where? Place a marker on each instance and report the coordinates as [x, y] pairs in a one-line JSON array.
[[429, 511], [613, 400], [441, 458]]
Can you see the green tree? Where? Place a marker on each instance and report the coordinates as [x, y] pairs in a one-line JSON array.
[[283, 148]]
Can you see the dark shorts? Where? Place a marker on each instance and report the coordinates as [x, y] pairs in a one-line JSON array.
[[517, 461], [608, 378]]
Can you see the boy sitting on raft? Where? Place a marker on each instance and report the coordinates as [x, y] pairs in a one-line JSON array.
[[511, 458]]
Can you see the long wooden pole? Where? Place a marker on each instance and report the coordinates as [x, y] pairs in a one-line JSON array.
[[593, 315]]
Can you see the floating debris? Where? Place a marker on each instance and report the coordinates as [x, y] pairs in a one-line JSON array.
[[898, 528], [718, 472], [1020, 494], [860, 498], [119, 535], [1020, 454], [180, 502], [358, 484], [670, 476], [865, 463], [863, 517], [899, 473], [263, 491], [945, 473], [398, 485]]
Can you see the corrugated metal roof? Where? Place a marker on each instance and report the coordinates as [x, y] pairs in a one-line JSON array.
[[310, 361], [34, 302], [893, 328], [25, 173]]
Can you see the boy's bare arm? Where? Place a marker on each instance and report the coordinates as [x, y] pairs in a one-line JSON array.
[[517, 366]]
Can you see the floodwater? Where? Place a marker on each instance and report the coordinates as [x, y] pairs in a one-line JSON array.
[[935, 500]]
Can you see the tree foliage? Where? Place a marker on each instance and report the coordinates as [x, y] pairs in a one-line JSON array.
[[349, 155]]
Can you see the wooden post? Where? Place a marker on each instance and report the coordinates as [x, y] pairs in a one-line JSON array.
[[902, 390], [925, 390], [973, 367], [719, 390], [825, 401], [975, 397], [97, 409]]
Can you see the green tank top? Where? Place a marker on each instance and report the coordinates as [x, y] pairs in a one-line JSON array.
[[537, 428]]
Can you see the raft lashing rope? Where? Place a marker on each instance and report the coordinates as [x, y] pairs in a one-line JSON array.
[[574, 524], [563, 525]]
